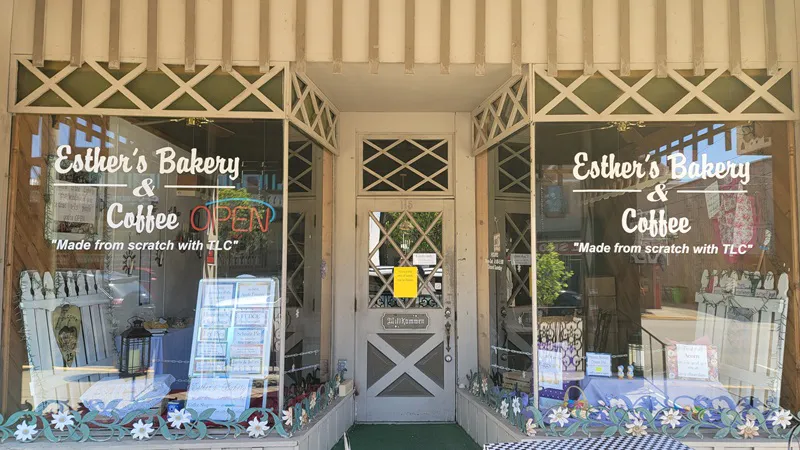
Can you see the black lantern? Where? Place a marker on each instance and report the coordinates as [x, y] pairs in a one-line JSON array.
[[134, 357]]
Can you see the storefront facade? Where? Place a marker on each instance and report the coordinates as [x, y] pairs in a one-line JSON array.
[[302, 199]]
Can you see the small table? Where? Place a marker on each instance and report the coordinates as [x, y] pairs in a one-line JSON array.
[[650, 442]]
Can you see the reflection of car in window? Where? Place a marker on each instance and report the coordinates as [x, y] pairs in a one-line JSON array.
[[566, 304], [123, 288]]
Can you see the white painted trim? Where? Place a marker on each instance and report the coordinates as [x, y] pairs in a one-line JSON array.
[[463, 164]]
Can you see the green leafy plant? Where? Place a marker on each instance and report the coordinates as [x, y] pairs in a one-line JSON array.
[[551, 276]]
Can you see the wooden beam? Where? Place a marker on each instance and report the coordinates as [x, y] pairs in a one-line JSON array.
[[624, 38], [38, 33], [263, 36], [480, 37], [190, 41], [374, 55], [76, 38], [588, 37], [444, 37], [661, 38], [771, 36], [300, 36], [552, 38], [698, 38], [152, 35], [113, 35], [410, 22], [227, 35], [734, 38], [516, 37], [337, 36]]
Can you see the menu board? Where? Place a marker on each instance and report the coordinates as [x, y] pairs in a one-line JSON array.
[[234, 332]]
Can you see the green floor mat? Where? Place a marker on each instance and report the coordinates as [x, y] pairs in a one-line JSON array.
[[408, 436]]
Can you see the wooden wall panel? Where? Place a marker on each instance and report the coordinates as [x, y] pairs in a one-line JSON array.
[[26, 249]]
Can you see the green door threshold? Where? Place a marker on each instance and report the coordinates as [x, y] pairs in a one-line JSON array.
[[422, 436]]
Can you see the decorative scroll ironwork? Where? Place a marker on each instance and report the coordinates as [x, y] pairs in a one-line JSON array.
[[57, 422], [567, 330], [718, 417]]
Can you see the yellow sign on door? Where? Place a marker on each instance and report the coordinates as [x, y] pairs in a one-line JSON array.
[[405, 282]]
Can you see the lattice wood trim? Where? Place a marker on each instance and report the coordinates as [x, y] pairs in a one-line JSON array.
[[634, 92], [297, 186], [266, 109], [513, 156], [405, 257], [295, 298], [311, 111], [501, 115], [427, 183]]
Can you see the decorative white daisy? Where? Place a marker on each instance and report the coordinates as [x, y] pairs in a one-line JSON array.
[[618, 403], [257, 428], [515, 406], [504, 408], [312, 400], [530, 427], [782, 418], [61, 420], [25, 432], [288, 417], [671, 417], [560, 416], [179, 418], [142, 430], [636, 428], [749, 430]]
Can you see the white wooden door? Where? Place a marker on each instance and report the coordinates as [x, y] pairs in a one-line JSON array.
[[405, 365]]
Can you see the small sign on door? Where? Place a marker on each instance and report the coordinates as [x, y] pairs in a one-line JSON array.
[[405, 282], [424, 259]]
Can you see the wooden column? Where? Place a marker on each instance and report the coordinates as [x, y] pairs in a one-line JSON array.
[[482, 242], [787, 249]]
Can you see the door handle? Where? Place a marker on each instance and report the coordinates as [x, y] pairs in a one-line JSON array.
[[447, 327]]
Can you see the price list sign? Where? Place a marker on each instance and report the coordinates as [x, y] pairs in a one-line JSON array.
[[233, 328]]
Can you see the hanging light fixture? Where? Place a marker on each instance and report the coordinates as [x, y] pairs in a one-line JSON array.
[[134, 356]]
